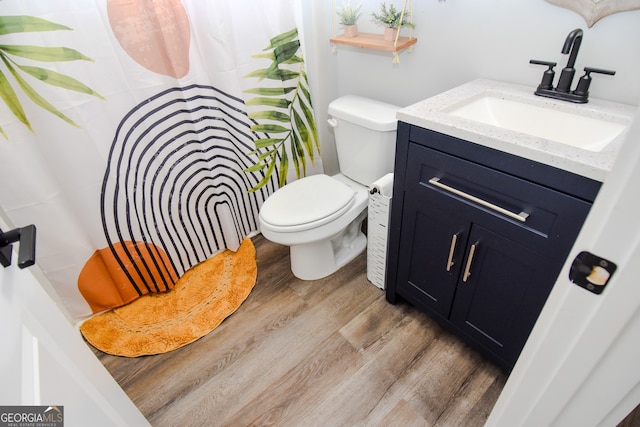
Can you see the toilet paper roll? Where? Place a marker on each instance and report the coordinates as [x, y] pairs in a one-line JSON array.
[[383, 185]]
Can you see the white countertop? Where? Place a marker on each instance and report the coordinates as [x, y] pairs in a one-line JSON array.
[[430, 114]]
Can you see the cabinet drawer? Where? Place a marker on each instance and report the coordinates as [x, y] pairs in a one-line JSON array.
[[543, 218], [529, 170]]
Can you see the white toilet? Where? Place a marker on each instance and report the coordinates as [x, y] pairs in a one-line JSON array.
[[320, 216]]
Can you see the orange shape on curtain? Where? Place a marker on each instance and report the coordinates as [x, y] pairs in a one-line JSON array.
[[104, 284], [154, 33]]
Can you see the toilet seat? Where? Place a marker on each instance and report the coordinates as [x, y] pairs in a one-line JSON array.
[[306, 203]]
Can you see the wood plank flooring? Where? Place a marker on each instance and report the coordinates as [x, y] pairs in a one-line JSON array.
[[330, 352]]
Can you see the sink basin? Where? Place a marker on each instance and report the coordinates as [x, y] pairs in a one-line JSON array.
[[506, 117], [568, 128]]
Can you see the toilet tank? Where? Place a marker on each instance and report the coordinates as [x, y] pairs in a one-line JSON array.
[[365, 133]]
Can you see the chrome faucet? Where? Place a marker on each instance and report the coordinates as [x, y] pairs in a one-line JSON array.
[[563, 89]]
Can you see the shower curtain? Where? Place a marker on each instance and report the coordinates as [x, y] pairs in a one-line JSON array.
[[142, 136]]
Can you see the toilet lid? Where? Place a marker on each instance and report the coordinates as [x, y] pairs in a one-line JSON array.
[[314, 199]]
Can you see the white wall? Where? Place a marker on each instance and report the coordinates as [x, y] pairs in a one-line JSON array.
[[460, 40]]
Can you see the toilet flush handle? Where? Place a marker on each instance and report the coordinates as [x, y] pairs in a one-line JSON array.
[[333, 123]]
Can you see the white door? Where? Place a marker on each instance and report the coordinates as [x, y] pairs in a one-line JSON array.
[[44, 361], [580, 366]]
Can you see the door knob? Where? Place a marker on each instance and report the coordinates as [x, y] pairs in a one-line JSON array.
[[26, 238]]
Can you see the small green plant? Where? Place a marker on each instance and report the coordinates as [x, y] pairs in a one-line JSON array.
[[349, 14], [391, 17]]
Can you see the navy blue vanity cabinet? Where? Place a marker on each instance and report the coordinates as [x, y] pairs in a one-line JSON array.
[[478, 236]]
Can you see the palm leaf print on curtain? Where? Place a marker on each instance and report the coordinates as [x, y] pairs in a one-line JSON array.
[[9, 53], [287, 117]]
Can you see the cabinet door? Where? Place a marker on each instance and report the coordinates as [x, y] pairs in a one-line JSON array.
[[521, 232], [430, 258], [502, 288]]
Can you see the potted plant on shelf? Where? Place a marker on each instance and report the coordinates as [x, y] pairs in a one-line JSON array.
[[392, 19], [349, 17]]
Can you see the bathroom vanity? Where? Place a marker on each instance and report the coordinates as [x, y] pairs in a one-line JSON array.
[[483, 217]]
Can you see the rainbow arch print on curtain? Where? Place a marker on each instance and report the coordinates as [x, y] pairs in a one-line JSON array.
[[175, 191]]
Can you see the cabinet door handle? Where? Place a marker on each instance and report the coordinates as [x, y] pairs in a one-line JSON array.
[[467, 269], [522, 216], [450, 261]]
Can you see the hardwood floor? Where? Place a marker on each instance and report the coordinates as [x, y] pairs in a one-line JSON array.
[[331, 352]]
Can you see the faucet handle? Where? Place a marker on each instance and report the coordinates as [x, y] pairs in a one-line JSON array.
[[582, 90], [588, 70], [549, 74], [547, 63]]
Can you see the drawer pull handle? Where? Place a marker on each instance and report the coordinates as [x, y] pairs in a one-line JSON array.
[[467, 269], [522, 216], [450, 261]]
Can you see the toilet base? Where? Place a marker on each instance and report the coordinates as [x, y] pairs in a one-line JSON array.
[[312, 261]]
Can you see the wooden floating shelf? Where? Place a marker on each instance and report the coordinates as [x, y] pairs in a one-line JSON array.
[[374, 41]]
